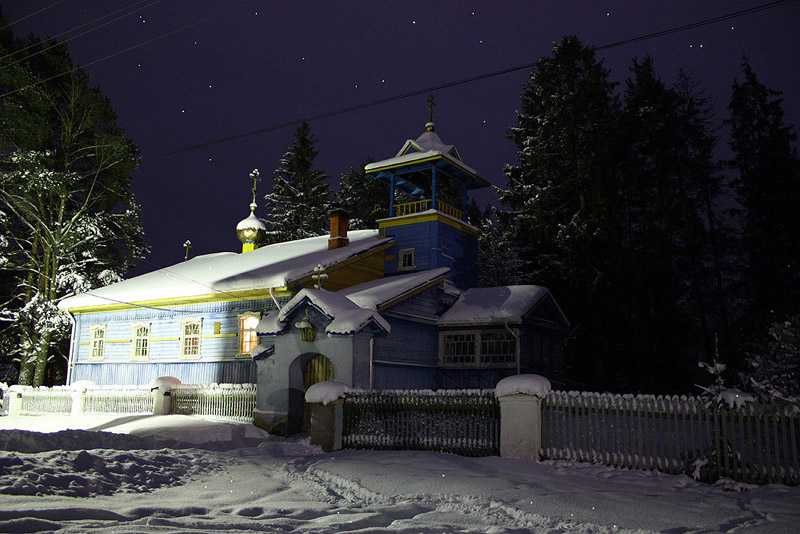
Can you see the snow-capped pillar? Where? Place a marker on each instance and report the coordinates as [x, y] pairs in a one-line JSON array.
[[14, 396], [162, 397], [327, 414], [391, 196], [520, 399], [433, 187]]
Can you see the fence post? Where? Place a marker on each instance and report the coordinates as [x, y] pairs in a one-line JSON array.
[[14, 401], [162, 401], [520, 399], [78, 402], [327, 413]]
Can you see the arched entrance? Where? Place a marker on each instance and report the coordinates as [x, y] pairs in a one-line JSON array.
[[318, 369]]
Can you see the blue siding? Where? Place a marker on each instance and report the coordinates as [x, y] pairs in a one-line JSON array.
[[218, 360], [423, 304], [403, 377], [436, 244], [409, 342], [236, 372]]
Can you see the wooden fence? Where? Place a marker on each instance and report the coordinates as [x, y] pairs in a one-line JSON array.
[[462, 422], [755, 443], [226, 401]]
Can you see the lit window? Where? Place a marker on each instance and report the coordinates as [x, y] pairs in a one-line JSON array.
[[405, 260], [476, 348], [190, 338], [141, 342], [248, 339], [98, 347]]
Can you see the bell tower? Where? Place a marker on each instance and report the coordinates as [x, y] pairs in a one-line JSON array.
[[428, 185]]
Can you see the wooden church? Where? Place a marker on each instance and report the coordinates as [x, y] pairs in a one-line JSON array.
[[391, 308]]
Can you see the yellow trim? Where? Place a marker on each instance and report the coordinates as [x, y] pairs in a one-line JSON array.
[[165, 339], [118, 340], [84, 343], [220, 335], [427, 217], [231, 296]]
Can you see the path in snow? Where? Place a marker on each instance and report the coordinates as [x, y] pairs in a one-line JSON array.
[[288, 486]]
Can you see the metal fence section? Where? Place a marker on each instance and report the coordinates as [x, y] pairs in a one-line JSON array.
[[43, 401], [134, 400], [756, 443], [229, 401], [465, 422]]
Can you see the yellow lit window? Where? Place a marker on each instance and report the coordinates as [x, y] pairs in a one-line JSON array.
[[248, 339]]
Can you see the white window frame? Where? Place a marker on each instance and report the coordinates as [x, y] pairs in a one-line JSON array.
[[240, 340], [401, 254], [452, 340], [184, 338], [140, 345], [97, 343]]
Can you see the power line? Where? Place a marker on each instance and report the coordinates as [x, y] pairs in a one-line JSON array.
[[32, 14], [464, 81], [55, 37], [134, 47]]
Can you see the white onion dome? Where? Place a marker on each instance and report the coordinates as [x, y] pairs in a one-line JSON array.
[[252, 229]]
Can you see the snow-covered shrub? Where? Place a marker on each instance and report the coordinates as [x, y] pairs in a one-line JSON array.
[[774, 367]]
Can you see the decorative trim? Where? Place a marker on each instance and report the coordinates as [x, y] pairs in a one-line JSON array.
[[207, 336], [428, 216], [165, 339]]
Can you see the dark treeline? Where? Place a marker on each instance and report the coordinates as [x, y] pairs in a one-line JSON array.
[[660, 255]]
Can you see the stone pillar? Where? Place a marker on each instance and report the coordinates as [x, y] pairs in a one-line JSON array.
[[78, 401], [326, 425], [520, 426]]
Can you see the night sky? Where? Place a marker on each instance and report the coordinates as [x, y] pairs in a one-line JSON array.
[[274, 62]]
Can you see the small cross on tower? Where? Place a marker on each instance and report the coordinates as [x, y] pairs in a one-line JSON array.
[[431, 103], [187, 245], [254, 175]]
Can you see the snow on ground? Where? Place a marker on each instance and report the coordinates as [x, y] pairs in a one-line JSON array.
[[192, 474]]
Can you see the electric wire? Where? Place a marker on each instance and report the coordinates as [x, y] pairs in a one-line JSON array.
[[54, 4], [134, 47], [15, 52], [464, 81]]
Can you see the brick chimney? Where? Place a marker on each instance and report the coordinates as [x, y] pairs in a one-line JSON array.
[[339, 219]]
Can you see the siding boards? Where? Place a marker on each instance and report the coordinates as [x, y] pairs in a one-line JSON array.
[[235, 372], [410, 342]]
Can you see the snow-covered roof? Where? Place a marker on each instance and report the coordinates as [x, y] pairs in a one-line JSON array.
[[277, 265], [382, 293], [346, 316], [487, 305], [251, 221]]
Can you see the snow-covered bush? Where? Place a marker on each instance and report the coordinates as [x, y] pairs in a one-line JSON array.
[[774, 367]]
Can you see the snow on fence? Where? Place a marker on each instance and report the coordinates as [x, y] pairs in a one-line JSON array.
[[755, 443], [137, 400], [229, 401], [465, 422], [42, 400]]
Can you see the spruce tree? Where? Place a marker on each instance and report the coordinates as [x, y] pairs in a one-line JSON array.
[[68, 219], [562, 195], [300, 199], [768, 190], [364, 197]]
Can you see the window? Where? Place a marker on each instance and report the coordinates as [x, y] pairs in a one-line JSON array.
[[97, 351], [405, 260], [140, 347], [248, 339], [190, 338], [489, 348]]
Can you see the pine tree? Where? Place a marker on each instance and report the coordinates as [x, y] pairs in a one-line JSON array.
[[364, 197], [68, 220], [768, 190], [298, 205]]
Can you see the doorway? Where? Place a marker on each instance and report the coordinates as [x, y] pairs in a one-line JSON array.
[[318, 369]]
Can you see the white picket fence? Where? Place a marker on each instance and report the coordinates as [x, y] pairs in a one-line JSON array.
[[226, 401], [229, 401], [755, 443]]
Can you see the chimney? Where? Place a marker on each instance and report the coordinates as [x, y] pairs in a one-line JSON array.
[[339, 219]]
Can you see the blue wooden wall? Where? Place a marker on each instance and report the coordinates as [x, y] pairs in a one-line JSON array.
[[218, 361], [436, 244]]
